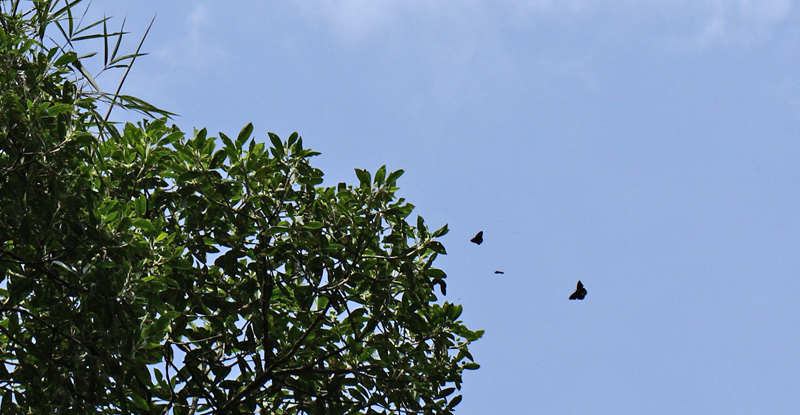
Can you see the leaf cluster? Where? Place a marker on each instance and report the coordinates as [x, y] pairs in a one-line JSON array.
[[146, 271]]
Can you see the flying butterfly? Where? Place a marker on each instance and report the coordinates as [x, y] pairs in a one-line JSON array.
[[580, 292], [478, 239]]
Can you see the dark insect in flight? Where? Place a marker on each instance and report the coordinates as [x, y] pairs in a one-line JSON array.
[[499, 272], [579, 293], [478, 239]]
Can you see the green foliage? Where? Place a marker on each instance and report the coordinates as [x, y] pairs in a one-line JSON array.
[[144, 271]]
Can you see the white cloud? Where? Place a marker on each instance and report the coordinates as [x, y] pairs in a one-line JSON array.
[[353, 19], [195, 44], [764, 11], [551, 6], [726, 22], [714, 21], [356, 19], [460, 40]]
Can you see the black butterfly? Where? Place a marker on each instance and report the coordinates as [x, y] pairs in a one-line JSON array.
[[478, 239], [579, 293], [499, 272]]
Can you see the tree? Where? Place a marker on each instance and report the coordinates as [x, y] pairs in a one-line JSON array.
[[144, 271]]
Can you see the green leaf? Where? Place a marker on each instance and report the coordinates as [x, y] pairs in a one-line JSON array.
[[440, 232], [455, 401], [437, 247], [312, 225], [218, 159], [226, 140], [62, 266], [445, 392], [56, 109], [189, 176], [256, 148], [473, 335], [139, 402], [140, 204], [244, 135], [393, 176], [435, 273], [453, 311], [277, 145], [170, 138], [150, 345], [145, 226], [159, 327], [124, 224], [380, 175], [294, 138], [199, 139], [363, 177]]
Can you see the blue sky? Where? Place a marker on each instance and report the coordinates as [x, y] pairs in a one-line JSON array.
[[648, 148]]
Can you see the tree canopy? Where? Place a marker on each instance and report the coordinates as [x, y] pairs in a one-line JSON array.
[[145, 270]]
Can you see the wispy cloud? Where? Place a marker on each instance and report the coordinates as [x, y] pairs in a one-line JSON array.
[[703, 22], [471, 44], [194, 44], [737, 21], [355, 19], [765, 11]]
